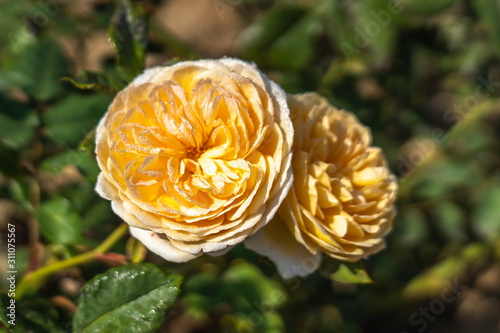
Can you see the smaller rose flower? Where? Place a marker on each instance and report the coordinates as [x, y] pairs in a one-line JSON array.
[[341, 202]]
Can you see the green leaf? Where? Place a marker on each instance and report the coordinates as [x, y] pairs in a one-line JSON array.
[[83, 160], [171, 42], [445, 174], [70, 121], [430, 6], [243, 286], [39, 69], [15, 134], [268, 322], [339, 29], [488, 12], [59, 221], [430, 283], [10, 165], [351, 273], [5, 302], [278, 34], [19, 192], [57, 163], [88, 142], [202, 293], [132, 298], [450, 220], [129, 31], [300, 41], [259, 36], [16, 33], [26, 320], [375, 25], [96, 81], [17, 123], [252, 286], [98, 214], [412, 228], [486, 216]]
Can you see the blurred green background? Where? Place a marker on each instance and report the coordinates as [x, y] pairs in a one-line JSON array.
[[423, 75]]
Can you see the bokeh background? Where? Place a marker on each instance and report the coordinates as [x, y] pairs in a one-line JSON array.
[[424, 75]]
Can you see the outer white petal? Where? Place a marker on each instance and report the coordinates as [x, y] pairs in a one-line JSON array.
[[105, 189], [220, 252], [117, 207], [277, 243], [161, 245]]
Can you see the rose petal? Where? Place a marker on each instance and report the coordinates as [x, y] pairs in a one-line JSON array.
[[161, 246], [277, 242]]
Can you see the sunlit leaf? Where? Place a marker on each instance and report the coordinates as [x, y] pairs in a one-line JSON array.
[[350, 273], [135, 298]]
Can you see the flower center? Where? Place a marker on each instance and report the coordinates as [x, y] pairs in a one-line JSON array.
[[194, 153]]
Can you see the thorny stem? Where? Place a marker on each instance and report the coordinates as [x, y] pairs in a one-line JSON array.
[[32, 280]]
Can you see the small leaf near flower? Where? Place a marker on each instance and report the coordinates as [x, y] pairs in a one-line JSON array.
[[351, 273], [96, 81]]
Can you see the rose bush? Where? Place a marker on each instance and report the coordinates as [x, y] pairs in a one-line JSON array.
[[196, 157], [341, 202]]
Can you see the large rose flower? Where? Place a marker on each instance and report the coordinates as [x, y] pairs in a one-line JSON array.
[[342, 199], [195, 157]]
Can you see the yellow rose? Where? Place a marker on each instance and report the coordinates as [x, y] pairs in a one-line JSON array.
[[341, 202], [196, 157]]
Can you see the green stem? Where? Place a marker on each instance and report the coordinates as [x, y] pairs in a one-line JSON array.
[[112, 239], [32, 280], [33, 228]]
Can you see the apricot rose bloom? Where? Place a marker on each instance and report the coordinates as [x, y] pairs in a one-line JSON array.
[[196, 157], [341, 202]]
